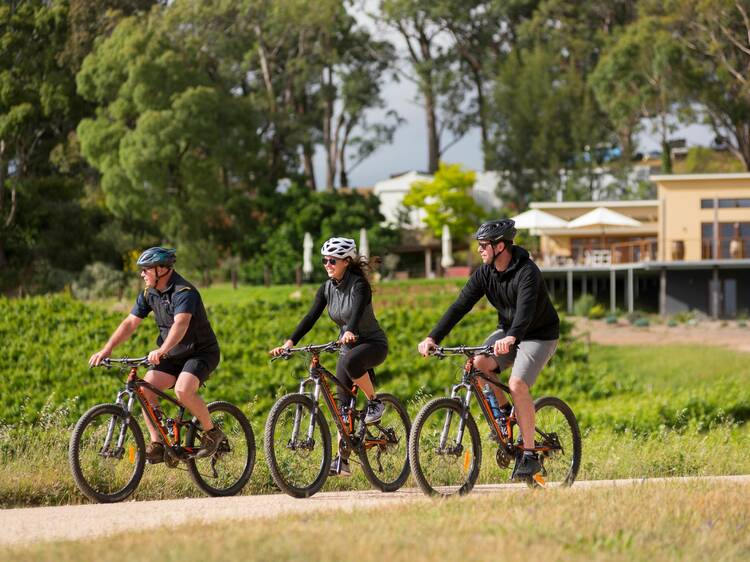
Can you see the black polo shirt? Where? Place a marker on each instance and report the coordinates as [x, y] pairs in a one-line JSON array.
[[180, 296]]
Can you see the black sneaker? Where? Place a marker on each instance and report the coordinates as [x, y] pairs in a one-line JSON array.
[[155, 452], [210, 442], [340, 467], [375, 409], [527, 465]]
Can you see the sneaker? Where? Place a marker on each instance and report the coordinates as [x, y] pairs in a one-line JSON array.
[[375, 409], [340, 467], [210, 442], [155, 452], [527, 465]]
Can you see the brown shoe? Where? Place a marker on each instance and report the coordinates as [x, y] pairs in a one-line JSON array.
[[155, 452], [210, 442]]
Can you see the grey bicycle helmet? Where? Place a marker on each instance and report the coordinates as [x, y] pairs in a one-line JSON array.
[[339, 248], [494, 231], [165, 257]]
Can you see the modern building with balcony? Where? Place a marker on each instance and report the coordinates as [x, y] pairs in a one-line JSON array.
[[689, 249]]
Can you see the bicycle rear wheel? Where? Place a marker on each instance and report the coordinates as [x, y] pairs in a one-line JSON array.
[[107, 454], [227, 471], [557, 431], [443, 462], [297, 447], [384, 454]]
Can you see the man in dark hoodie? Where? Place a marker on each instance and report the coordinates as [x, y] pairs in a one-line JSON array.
[[527, 331]]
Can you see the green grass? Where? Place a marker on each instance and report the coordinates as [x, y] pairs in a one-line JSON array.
[[656, 521]]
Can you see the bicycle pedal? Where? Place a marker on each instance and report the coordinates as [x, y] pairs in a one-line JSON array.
[[539, 479]]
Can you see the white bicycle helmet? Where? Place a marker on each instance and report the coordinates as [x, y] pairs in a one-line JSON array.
[[339, 248]]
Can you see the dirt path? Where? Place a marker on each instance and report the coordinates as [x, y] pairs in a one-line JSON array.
[[76, 522], [704, 333]]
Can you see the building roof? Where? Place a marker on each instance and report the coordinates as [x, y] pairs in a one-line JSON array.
[[594, 204], [668, 178]]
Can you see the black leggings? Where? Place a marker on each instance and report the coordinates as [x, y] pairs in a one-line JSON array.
[[355, 361]]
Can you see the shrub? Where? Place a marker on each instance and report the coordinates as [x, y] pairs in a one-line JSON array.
[[99, 281], [583, 305], [597, 311], [641, 322], [611, 319]]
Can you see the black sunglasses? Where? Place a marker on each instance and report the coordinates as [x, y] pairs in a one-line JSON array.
[[484, 245], [332, 261]]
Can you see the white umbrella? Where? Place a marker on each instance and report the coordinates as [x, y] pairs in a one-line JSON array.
[[447, 259], [603, 217], [535, 218], [307, 266], [364, 247]]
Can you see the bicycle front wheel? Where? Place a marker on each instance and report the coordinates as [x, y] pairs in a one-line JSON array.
[[297, 446], [107, 454], [227, 471], [443, 459], [384, 453], [558, 435]]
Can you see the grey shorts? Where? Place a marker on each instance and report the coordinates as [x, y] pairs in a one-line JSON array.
[[527, 358]]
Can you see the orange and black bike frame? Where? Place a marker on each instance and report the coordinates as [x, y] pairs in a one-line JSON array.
[[134, 389], [318, 376]]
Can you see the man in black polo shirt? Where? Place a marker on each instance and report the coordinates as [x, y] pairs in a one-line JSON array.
[[528, 326], [188, 350]]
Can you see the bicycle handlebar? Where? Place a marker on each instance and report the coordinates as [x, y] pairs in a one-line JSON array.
[[315, 349], [442, 352], [111, 363]]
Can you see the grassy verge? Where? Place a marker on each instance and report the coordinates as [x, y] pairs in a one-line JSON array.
[[658, 521]]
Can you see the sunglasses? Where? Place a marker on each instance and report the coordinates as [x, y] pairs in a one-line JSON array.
[[484, 245], [325, 261]]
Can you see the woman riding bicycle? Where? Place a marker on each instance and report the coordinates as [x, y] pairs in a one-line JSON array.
[[348, 296]]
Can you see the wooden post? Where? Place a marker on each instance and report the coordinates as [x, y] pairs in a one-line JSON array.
[[570, 291], [612, 291], [663, 292]]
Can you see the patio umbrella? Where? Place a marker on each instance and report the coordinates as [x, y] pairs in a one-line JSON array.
[[447, 259], [534, 218], [603, 218], [307, 245], [364, 247]]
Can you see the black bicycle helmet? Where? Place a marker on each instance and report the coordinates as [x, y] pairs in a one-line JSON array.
[[494, 231], [157, 255]]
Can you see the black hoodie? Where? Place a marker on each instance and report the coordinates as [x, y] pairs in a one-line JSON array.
[[519, 295]]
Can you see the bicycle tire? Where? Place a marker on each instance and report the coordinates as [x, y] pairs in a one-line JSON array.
[[98, 463], [280, 469], [423, 437], [236, 434], [558, 470], [400, 467]]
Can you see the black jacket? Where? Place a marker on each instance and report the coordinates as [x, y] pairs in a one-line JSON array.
[[349, 306], [519, 295]]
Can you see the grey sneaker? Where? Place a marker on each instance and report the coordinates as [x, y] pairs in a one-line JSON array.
[[210, 442], [155, 452], [527, 465], [375, 409], [340, 467]]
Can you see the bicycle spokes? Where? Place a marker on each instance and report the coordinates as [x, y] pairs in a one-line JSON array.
[[447, 460]]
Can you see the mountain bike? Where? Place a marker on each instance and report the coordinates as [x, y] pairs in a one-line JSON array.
[[298, 440], [107, 452], [445, 461]]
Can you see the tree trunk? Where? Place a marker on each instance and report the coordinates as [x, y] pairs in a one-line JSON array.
[[307, 156], [328, 128], [433, 142]]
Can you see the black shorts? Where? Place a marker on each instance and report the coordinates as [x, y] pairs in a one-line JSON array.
[[201, 365]]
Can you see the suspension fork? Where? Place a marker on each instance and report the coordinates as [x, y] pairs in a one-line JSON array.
[[123, 426], [465, 403]]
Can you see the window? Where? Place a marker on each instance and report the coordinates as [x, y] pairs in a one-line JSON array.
[[726, 203], [734, 240]]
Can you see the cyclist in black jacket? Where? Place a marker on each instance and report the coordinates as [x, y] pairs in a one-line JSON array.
[[528, 326], [348, 296]]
